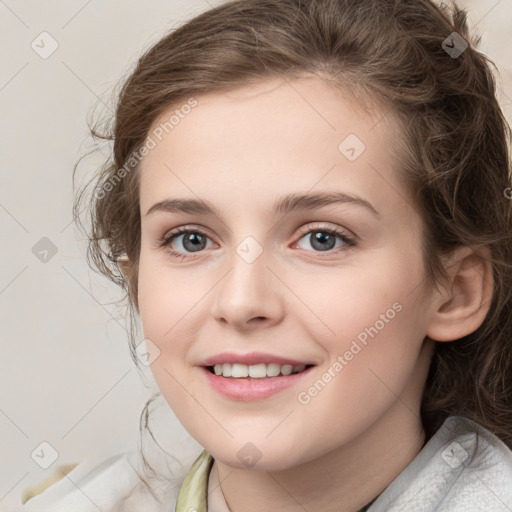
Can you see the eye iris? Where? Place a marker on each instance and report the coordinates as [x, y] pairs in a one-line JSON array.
[[322, 237], [197, 240]]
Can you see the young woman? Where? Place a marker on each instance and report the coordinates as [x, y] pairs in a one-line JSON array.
[[308, 204]]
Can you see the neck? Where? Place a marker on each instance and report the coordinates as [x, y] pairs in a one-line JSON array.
[[345, 479]]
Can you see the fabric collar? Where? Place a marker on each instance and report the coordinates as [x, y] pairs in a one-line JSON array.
[[194, 490]]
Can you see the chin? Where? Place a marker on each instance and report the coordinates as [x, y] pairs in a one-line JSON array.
[[250, 457]]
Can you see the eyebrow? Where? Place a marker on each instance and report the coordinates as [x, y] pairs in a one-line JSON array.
[[284, 205]]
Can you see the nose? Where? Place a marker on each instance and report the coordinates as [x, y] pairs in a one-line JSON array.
[[249, 295]]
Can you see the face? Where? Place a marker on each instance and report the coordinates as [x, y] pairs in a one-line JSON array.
[[336, 285]]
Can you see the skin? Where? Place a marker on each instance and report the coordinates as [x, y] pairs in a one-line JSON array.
[[240, 151]]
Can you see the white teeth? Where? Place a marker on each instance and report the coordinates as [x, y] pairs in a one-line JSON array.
[[239, 370], [226, 369], [273, 370], [256, 371], [286, 369]]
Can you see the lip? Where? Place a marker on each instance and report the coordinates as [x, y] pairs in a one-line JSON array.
[[251, 359], [248, 388]]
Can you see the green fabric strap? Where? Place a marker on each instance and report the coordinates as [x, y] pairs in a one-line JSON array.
[[193, 493]]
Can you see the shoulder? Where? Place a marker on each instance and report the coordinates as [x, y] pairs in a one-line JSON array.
[[482, 464], [462, 468], [109, 484]]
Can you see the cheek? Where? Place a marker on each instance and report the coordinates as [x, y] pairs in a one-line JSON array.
[[166, 298], [352, 303], [370, 361], [164, 321], [169, 305], [161, 305], [372, 324]]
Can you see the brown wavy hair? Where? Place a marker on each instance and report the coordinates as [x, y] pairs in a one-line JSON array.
[[455, 152]]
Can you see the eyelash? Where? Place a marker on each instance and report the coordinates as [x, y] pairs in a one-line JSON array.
[[166, 240]]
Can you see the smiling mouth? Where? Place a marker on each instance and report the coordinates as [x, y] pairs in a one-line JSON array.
[[257, 371]]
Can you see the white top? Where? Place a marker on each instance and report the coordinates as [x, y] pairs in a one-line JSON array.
[[462, 468]]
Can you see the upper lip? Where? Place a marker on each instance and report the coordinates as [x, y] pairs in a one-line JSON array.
[[250, 359]]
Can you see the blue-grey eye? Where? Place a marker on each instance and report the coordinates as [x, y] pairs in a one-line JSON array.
[[192, 240], [324, 240]]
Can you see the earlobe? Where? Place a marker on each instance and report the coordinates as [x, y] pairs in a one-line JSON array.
[[128, 269], [462, 306], [124, 264]]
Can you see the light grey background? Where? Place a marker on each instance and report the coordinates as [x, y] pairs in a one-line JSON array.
[[66, 374]]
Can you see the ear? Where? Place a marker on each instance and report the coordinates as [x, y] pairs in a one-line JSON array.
[[128, 269], [462, 306], [124, 264]]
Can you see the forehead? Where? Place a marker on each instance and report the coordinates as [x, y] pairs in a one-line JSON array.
[[275, 137]]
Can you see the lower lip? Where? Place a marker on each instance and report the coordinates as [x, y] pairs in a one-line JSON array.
[[252, 389]]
